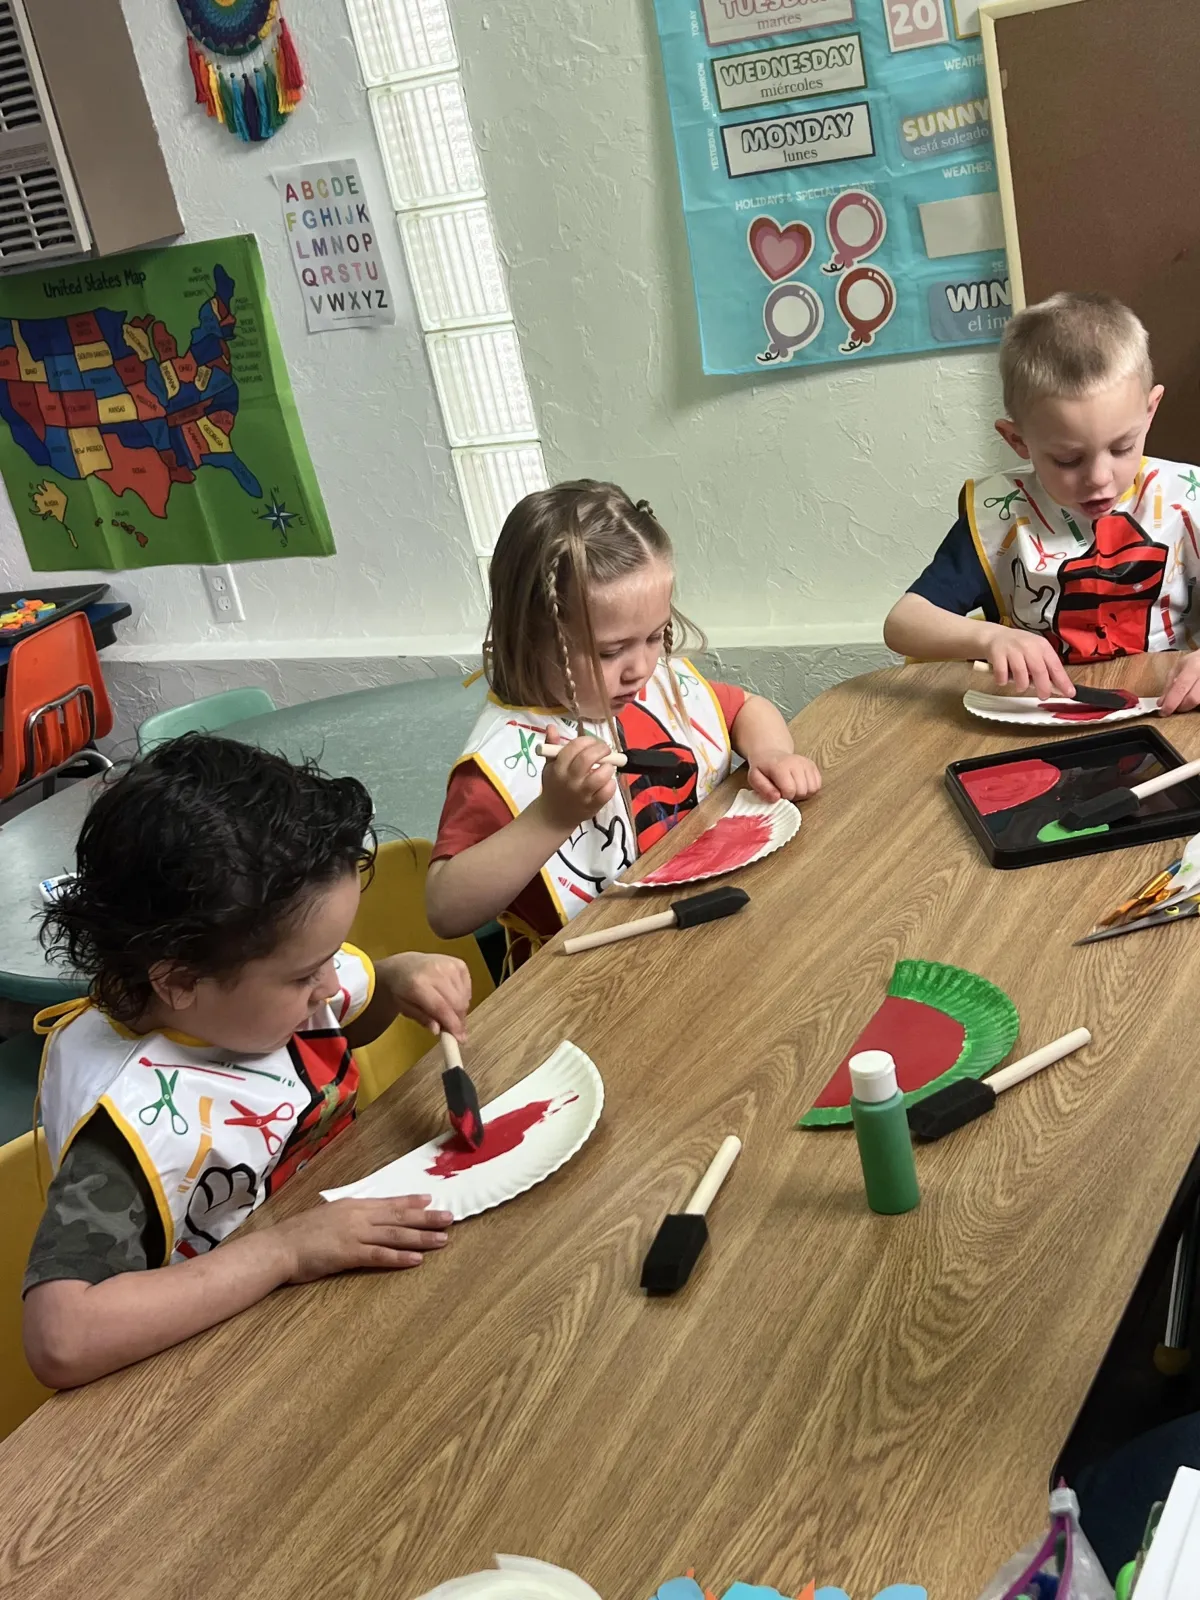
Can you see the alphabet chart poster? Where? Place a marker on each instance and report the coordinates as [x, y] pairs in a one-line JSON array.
[[839, 185], [334, 247]]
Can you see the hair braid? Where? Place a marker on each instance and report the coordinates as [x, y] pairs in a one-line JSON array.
[[560, 635]]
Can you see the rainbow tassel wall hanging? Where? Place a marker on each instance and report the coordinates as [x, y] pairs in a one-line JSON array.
[[256, 96]]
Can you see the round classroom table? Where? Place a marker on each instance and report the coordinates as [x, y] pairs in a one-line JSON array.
[[400, 740], [856, 1399]]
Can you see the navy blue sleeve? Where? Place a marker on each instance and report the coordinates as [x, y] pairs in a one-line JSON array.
[[955, 579]]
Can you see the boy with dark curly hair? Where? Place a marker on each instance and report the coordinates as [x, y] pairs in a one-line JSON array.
[[216, 885]]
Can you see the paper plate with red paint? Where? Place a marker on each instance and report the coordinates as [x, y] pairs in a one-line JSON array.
[[529, 1132], [1024, 711], [938, 1023], [750, 829]]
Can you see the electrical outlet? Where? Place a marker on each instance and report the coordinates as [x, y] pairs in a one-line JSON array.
[[223, 597]]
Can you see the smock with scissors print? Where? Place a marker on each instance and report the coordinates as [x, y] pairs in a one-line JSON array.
[[214, 1133]]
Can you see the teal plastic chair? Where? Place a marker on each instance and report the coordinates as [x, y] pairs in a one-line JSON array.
[[214, 712]]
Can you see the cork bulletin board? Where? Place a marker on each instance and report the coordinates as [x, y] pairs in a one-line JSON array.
[[1094, 116]]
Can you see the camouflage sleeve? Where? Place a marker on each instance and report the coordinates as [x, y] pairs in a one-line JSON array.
[[100, 1216]]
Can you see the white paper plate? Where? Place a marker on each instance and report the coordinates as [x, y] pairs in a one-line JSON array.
[[519, 1578], [569, 1088], [750, 829], [1029, 713]]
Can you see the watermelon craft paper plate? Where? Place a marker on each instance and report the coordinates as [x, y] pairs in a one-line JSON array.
[[1025, 712], [938, 1023], [529, 1131], [750, 829]]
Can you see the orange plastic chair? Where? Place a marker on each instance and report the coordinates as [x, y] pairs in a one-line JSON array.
[[55, 705]]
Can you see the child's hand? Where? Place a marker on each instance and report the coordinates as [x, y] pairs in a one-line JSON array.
[[344, 1234], [433, 990], [574, 788], [1028, 660], [783, 775], [1183, 685]]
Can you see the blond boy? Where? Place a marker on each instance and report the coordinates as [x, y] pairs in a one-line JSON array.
[[1090, 551]]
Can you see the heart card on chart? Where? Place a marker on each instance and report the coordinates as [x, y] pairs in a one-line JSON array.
[[938, 1023], [530, 1131], [750, 829]]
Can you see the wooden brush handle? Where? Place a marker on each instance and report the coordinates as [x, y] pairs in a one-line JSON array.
[[1009, 1076], [627, 930], [450, 1050], [718, 1171], [1168, 780], [614, 758]]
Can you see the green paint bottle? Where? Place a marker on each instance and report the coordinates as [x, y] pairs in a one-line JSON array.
[[884, 1142]]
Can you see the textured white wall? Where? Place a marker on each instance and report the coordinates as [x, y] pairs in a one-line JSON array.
[[404, 575], [801, 505]]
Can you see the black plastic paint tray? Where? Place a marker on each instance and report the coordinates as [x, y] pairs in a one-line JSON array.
[[64, 601], [1009, 797]]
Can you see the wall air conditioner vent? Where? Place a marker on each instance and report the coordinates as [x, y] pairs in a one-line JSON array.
[[41, 216]]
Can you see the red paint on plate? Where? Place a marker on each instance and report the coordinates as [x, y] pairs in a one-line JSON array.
[[727, 845], [502, 1134], [1071, 711], [1010, 784], [922, 1041]]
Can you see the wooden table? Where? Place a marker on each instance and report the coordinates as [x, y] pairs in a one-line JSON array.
[[836, 1395]]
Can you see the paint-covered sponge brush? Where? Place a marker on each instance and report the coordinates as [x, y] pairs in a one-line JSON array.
[[662, 764], [683, 1234], [961, 1102], [1118, 803], [1102, 699], [707, 907], [462, 1098]]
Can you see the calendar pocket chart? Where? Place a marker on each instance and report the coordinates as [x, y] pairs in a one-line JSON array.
[[862, 126]]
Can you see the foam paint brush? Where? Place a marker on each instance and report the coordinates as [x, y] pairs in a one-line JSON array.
[[1103, 699], [1120, 803], [462, 1098], [689, 913], [961, 1102], [683, 1234], [664, 764]]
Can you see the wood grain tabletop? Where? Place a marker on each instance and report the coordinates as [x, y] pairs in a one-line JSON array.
[[836, 1395]]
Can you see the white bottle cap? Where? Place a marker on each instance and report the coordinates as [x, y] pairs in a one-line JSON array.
[[873, 1076]]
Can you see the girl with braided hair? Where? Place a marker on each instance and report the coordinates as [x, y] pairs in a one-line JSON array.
[[583, 650]]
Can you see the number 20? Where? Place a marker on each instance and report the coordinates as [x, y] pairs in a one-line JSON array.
[[915, 16]]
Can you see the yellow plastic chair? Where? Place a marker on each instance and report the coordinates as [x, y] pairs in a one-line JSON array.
[[391, 918], [21, 1206]]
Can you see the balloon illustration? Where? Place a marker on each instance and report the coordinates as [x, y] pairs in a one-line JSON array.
[[778, 252], [866, 298], [856, 224], [793, 317]]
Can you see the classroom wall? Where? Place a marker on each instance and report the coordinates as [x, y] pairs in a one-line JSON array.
[[801, 504], [404, 576]]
